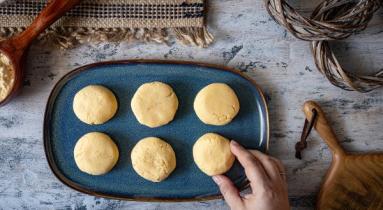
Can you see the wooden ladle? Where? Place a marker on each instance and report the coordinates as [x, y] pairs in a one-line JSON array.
[[15, 48], [353, 181]]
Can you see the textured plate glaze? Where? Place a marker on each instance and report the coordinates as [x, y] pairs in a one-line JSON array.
[[62, 128]]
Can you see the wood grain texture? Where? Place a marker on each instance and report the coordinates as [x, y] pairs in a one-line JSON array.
[[353, 181], [247, 39]]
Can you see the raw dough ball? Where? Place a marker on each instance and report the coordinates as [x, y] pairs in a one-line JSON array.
[[95, 153], [212, 154], [216, 104], [154, 104], [95, 104], [153, 159]]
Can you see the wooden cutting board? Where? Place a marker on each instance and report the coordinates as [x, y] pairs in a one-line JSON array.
[[353, 181]]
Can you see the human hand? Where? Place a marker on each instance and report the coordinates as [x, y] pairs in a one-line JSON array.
[[267, 181]]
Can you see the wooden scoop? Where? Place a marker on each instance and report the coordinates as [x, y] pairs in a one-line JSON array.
[[15, 47], [353, 181]]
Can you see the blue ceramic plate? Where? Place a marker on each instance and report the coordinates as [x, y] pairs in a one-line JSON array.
[[62, 128]]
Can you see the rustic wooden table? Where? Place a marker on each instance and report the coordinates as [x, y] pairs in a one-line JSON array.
[[247, 39]]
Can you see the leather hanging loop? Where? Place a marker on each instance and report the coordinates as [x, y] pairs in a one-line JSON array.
[[302, 144]]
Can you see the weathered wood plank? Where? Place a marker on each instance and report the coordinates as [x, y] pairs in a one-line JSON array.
[[247, 39]]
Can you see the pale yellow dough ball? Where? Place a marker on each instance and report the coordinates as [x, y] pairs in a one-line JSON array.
[[154, 104], [95, 153], [212, 154], [153, 159], [95, 104], [216, 104]]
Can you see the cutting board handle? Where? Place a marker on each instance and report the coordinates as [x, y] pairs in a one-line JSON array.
[[322, 126]]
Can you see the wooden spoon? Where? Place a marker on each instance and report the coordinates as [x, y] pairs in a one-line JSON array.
[[353, 181], [15, 48]]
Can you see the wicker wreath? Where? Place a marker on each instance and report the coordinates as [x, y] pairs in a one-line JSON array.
[[328, 65], [326, 60], [352, 16], [331, 20]]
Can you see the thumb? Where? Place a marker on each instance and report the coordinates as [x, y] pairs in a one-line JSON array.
[[229, 191]]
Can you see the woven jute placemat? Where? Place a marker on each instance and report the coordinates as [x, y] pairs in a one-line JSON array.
[[114, 20]]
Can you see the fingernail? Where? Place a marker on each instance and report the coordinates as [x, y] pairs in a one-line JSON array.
[[234, 143], [217, 180]]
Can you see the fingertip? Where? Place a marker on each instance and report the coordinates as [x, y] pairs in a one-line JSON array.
[[235, 147], [217, 179], [234, 143], [221, 180]]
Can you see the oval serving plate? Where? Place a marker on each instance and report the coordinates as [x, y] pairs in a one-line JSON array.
[[62, 129]]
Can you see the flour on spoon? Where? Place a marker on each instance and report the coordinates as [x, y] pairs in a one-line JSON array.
[[7, 76]]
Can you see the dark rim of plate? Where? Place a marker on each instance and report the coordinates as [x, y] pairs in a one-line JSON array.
[[56, 89]]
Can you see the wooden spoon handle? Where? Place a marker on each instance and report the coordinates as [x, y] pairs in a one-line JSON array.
[[52, 12], [322, 126]]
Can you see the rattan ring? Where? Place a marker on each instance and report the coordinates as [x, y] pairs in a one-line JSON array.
[[352, 16], [332, 19], [328, 64]]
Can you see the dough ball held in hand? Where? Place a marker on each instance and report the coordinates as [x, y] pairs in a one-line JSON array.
[[95, 153], [153, 159], [95, 104], [216, 104], [154, 104], [212, 154]]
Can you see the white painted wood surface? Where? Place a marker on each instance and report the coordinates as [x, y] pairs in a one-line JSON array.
[[246, 38]]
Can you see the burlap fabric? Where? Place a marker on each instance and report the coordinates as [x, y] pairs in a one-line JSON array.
[[114, 20]]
